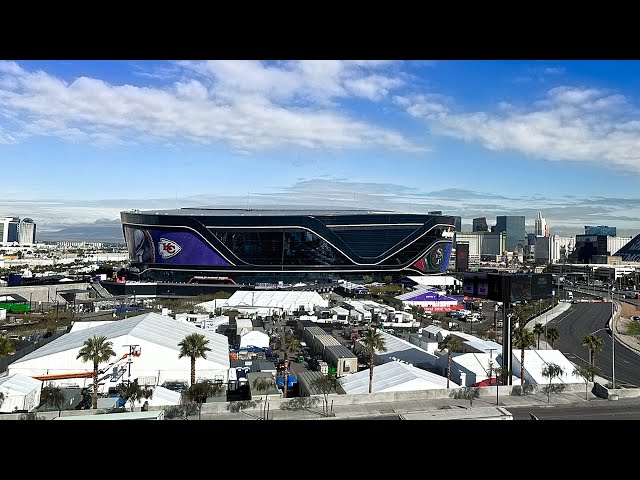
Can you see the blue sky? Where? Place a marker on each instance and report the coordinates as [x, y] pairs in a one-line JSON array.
[[83, 140]]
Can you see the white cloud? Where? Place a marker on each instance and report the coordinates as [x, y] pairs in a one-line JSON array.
[[248, 104], [577, 124]]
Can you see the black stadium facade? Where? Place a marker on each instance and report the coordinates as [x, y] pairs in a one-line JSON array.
[[261, 246]]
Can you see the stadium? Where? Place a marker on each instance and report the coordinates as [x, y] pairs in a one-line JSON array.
[[250, 246]]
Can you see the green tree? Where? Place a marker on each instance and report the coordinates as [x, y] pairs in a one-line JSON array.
[[388, 279], [551, 371], [6, 347], [326, 385], [372, 342], [264, 384], [538, 329], [593, 342], [53, 395], [133, 393], [453, 344], [367, 279], [199, 392], [586, 372], [553, 334], [97, 350], [523, 339], [288, 343], [194, 346]]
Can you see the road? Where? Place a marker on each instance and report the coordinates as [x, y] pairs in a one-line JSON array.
[[623, 409], [584, 318]]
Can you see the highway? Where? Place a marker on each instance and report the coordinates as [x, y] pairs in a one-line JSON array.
[[584, 318]]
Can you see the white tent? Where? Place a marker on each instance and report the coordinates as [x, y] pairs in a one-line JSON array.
[[155, 337], [402, 350], [393, 377], [254, 339], [20, 392], [163, 396], [268, 302], [536, 360]]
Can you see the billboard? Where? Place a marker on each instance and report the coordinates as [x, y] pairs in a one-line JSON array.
[[541, 286], [150, 245], [520, 287], [475, 285], [462, 257]]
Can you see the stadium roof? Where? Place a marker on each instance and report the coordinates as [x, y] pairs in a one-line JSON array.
[[256, 212], [158, 329]]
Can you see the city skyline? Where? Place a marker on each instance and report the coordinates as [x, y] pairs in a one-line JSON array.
[[89, 139]]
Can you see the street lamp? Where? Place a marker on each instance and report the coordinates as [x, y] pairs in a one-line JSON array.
[[613, 343], [491, 365]]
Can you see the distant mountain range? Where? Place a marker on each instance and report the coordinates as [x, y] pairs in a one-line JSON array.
[[94, 232]]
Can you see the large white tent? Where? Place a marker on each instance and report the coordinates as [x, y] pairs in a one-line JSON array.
[[268, 302], [393, 377], [154, 337], [20, 392], [536, 360]]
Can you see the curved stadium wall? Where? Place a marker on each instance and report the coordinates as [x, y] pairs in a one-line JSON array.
[[252, 246]]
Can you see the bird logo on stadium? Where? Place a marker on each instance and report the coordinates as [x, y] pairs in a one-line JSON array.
[[168, 248]]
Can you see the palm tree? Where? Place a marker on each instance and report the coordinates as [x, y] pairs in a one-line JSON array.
[[522, 339], [372, 342], [194, 346], [326, 385], [97, 350], [6, 347], [52, 395], [132, 392], [551, 371], [453, 344], [538, 329], [289, 343], [593, 342], [553, 334], [198, 392]]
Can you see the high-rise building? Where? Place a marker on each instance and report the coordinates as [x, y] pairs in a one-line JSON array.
[[482, 243], [27, 231], [480, 225], [9, 229], [457, 221], [588, 246], [513, 226], [600, 230], [553, 249], [541, 227]]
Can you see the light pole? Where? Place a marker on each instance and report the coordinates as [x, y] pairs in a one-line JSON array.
[[613, 343], [497, 381]]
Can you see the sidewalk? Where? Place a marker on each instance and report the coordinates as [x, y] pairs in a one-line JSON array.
[[387, 409]]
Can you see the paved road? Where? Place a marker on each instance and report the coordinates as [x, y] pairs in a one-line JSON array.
[[584, 318], [623, 409]]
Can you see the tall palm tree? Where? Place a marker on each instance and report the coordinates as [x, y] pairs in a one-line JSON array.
[[372, 342], [194, 346], [522, 339], [553, 334], [289, 343], [551, 371], [453, 344], [593, 342], [538, 329], [97, 350]]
